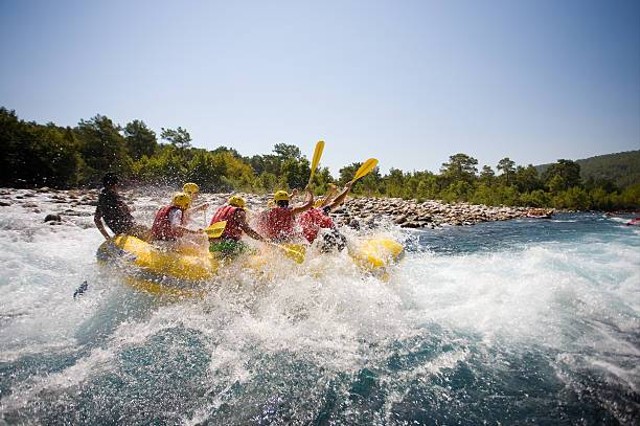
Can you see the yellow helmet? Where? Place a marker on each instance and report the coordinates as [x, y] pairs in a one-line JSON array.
[[237, 201], [318, 202], [181, 200], [281, 196], [191, 188]]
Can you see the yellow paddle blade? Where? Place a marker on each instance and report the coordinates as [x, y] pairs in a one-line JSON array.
[[295, 252], [215, 230], [292, 251], [366, 168], [317, 153]]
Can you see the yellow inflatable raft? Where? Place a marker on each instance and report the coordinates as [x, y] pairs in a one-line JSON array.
[[152, 269], [156, 270], [377, 253]]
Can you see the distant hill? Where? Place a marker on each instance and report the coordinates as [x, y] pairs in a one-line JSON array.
[[623, 168]]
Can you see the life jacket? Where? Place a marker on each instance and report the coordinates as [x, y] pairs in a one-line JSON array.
[[162, 229], [232, 231], [312, 221], [278, 224]]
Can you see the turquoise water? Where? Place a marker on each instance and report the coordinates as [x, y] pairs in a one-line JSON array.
[[520, 322]]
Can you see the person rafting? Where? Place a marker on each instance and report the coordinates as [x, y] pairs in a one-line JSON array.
[[235, 215], [169, 225], [293, 194], [278, 223], [317, 221], [193, 191], [328, 196], [115, 213]]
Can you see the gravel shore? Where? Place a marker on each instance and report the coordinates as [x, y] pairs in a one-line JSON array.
[[366, 212]]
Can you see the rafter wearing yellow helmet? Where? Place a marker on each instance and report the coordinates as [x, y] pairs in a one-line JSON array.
[[237, 201], [169, 226], [181, 200], [281, 196], [278, 222], [193, 190], [235, 217]]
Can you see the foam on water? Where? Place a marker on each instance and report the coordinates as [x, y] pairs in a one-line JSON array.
[[496, 333]]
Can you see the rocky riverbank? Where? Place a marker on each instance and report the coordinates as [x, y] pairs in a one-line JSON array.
[[427, 214], [363, 212]]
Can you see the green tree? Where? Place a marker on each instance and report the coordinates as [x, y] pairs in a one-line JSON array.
[[286, 152], [630, 197], [486, 194], [457, 191], [140, 139], [265, 164], [427, 185], [267, 182], [12, 155], [102, 147], [557, 184], [180, 138], [370, 184], [487, 176], [287, 162], [296, 172], [395, 184], [167, 167], [574, 198], [565, 174], [537, 198], [508, 169], [208, 170], [600, 199], [527, 179], [36, 155], [321, 180], [460, 167], [54, 157], [237, 172]]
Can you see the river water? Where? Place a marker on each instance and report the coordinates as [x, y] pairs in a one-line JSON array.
[[519, 322]]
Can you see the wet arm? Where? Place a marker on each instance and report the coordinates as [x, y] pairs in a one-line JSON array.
[[242, 219], [198, 208], [340, 197], [97, 219], [306, 206], [328, 197]]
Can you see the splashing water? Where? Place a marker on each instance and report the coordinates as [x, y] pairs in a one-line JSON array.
[[513, 322]]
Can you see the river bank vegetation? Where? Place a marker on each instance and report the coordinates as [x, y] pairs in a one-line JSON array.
[[37, 155]]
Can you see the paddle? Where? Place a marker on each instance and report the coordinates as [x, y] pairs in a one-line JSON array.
[[317, 153], [297, 253], [366, 168], [80, 290], [215, 230]]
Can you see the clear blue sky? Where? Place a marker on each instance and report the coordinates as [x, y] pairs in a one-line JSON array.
[[407, 82]]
